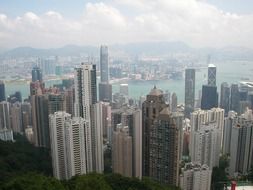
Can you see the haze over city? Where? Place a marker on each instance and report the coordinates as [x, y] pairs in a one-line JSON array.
[[199, 23]]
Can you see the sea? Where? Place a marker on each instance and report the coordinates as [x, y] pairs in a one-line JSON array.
[[227, 71]]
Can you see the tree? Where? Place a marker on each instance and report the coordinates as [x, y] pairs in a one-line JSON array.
[[33, 181], [219, 175]]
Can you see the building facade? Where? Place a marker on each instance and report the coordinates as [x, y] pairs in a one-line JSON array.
[[189, 91]]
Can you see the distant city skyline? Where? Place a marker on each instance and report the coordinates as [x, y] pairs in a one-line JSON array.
[[200, 23]]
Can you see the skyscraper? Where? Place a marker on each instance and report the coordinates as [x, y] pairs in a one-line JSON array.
[[105, 88], [104, 71], [55, 103], [164, 149], [189, 91], [68, 145], [98, 157], [85, 100], [36, 74], [2, 91], [26, 115], [69, 101], [211, 75], [131, 117], [225, 97], [241, 145], [206, 145], [195, 177], [150, 110], [235, 98], [211, 120], [85, 90], [105, 92], [40, 120], [5, 122], [209, 98], [229, 122], [122, 162], [16, 118], [174, 102]]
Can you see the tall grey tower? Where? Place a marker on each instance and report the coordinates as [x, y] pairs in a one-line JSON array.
[[105, 89], [36, 74], [2, 91], [104, 64], [189, 91], [224, 97], [211, 75]]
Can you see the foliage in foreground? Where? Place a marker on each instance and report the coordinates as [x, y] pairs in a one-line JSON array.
[[219, 175], [25, 167], [19, 157], [33, 181]]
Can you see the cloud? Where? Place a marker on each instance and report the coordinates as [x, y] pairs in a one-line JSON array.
[[121, 21]]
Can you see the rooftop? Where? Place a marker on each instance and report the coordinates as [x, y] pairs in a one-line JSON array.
[[156, 92]]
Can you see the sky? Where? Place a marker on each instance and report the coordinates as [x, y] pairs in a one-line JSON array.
[[55, 23]]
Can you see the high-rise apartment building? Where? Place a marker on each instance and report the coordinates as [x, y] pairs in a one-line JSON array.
[[85, 100], [131, 117], [229, 122], [195, 177], [151, 108], [189, 91], [164, 149], [206, 145], [55, 103], [5, 122], [161, 140], [241, 145], [40, 120], [16, 118], [85, 90], [98, 157], [206, 134], [69, 101], [201, 117], [122, 162], [26, 109], [68, 145]]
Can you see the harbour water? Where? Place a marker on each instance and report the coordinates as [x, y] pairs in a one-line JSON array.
[[230, 72]]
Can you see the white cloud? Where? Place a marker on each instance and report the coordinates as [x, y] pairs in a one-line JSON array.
[[194, 22]]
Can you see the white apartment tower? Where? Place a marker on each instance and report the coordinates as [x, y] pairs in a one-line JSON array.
[[241, 144], [85, 100], [68, 145], [85, 90], [195, 177], [202, 118], [206, 145]]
